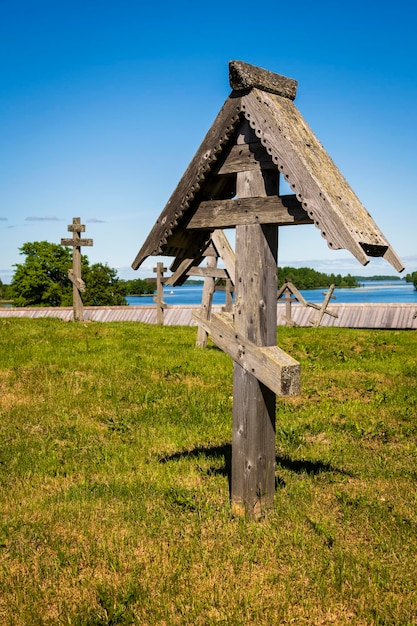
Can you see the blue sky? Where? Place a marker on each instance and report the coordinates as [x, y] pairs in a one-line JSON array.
[[103, 105]]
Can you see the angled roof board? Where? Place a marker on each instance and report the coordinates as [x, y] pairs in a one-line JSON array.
[[266, 99]]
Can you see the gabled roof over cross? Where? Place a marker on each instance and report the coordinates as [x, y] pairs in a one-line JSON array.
[[280, 143]]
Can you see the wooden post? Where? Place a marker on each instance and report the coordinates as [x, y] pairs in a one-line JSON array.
[[255, 318], [160, 304], [74, 275], [229, 295], [206, 302]]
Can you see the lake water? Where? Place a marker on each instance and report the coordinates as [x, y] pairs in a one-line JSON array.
[[396, 291]]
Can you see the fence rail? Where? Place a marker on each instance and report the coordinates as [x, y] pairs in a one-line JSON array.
[[389, 316]]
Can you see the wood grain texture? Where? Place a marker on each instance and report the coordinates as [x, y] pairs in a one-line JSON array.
[[281, 139], [254, 404], [206, 302], [225, 252], [76, 242], [319, 185], [281, 211], [276, 369], [385, 316], [243, 76]]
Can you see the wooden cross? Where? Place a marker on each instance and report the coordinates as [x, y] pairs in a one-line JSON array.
[[78, 285], [323, 308], [257, 138], [289, 293], [159, 298]]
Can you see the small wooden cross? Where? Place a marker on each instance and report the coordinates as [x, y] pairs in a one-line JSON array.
[[75, 274], [323, 308], [289, 293]]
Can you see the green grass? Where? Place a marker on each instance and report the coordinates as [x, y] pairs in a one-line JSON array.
[[114, 487]]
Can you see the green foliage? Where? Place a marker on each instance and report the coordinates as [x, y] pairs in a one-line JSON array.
[[139, 286], [42, 280], [6, 292], [115, 468], [103, 288], [412, 278], [307, 278]]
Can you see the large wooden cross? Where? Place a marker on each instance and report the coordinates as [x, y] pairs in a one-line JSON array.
[[258, 138], [78, 285]]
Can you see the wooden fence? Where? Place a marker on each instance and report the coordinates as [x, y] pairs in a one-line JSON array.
[[389, 316]]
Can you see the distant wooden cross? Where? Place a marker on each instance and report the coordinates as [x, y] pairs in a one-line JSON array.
[[289, 293], [159, 299], [323, 308], [78, 285]]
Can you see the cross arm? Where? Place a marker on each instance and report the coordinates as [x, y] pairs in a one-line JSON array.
[[273, 367]]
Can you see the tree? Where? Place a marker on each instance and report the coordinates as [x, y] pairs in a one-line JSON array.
[[412, 278], [42, 280], [137, 286], [307, 278], [103, 288]]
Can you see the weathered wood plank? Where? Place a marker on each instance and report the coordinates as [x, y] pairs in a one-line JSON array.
[[319, 185], [214, 272], [243, 76], [243, 158], [179, 270], [276, 369], [225, 252], [386, 316], [281, 211], [76, 228], [76, 242], [206, 302], [253, 431], [76, 280], [190, 183]]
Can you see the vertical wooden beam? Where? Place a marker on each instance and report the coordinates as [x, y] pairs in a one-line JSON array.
[[206, 303], [159, 300], [254, 405], [76, 268], [229, 297]]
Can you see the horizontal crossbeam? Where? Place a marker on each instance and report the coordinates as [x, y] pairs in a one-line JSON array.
[[76, 228], [211, 272], [76, 243], [279, 210], [273, 367]]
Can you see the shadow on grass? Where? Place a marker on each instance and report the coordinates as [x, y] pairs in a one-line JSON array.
[[298, 466]]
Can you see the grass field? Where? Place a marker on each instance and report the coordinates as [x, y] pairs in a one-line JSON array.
[[114, 501]]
